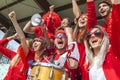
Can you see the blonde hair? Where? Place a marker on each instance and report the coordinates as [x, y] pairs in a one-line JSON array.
[[103, 50], [15, 59]]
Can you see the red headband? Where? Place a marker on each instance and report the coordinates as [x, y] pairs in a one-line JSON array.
[[60, 31]]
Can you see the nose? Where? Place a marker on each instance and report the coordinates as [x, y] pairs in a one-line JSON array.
[[59, 37], [92, 35], [35, 43], [83, 18], [101, 9]]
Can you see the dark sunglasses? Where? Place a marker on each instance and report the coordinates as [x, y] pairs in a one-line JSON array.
[[97, 33], [60, 34]]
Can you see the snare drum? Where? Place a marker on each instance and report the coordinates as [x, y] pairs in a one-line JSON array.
[[47, 71]]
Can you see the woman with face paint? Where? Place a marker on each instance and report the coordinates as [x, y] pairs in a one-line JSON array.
[[103, 60]]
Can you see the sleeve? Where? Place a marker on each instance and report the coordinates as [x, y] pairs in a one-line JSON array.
[[49, 24], [3, 41], [22, 54], [38, 31], [73, 51], [52, 23], [115, 43], [24, 57], [7, 52], [92, 18]]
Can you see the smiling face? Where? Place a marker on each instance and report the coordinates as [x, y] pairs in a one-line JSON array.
[[65, 22], [104, 9], [82, 21], [60, 41], [95, 37], [37, 44]]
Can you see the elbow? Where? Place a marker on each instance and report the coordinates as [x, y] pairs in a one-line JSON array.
[[25, 30]]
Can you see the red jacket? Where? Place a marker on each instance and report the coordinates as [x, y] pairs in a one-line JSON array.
[[14, 73], [112, 60]]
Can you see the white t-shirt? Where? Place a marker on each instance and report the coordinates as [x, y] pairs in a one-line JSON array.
[[96, 71], [74, 53]]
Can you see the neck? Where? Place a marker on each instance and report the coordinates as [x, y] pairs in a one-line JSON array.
[[107, 18], [61, 51], [96, 51], [38, 56], [81, 29]]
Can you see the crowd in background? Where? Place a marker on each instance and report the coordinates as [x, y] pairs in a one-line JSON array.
[[88, 51]]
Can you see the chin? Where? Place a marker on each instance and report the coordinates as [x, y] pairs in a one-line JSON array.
[[95, 46], [81, 26], [104, 15]]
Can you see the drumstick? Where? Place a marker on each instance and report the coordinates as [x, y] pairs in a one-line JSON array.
[[46, 59]]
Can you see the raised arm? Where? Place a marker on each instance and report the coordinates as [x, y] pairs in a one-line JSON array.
[[8, 53], [51, 10], [28, 28], [51, 19], [12, 16], [12, 37], [92, 18], [76, 10], [115, 1], [115, 27]]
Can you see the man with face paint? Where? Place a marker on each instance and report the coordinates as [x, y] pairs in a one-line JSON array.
[[66, 51]]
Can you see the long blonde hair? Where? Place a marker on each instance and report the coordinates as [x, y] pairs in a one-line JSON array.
[[103, 50], [16, 58], [14, 61]]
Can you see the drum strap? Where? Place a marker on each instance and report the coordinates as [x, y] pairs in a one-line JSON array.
[[52, 58], [46, 59]]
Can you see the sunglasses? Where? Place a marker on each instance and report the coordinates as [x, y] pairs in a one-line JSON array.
[[60, 34], [97, 33]]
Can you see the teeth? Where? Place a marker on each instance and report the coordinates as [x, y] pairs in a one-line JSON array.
[[94, 41]]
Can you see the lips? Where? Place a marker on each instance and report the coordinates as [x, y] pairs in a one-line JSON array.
[[94, 41], [102, 12]]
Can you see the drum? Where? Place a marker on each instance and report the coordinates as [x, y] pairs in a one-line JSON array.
[[47, 71]]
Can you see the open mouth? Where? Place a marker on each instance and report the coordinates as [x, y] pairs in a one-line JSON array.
[[82, 22], [60, 42], [94, 41], [35, 47], [102, 11]]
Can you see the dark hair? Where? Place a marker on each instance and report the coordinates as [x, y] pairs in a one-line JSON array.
[[68, 20], [106, 2]]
